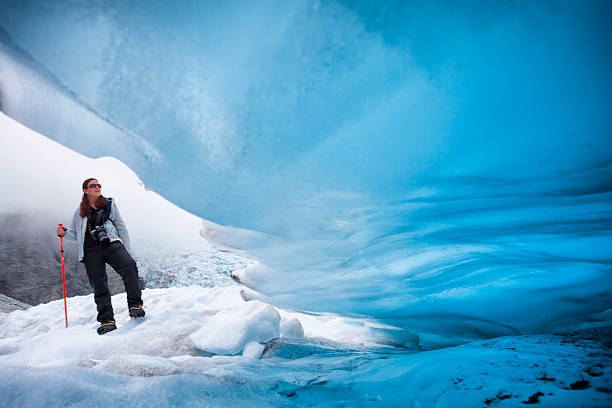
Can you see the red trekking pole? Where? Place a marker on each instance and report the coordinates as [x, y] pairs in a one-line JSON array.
[[61, 237]]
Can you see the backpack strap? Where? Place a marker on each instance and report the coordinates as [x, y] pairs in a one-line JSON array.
[[107, 209]]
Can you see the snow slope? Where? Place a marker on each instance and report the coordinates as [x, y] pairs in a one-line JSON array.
[[46, 177]]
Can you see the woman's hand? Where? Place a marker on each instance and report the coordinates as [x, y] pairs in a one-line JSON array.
[[60, 230]]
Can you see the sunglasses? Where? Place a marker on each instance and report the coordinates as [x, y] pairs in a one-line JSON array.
[[95, 185]]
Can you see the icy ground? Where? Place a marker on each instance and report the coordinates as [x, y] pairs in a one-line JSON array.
[[173, 267], [206, 346]]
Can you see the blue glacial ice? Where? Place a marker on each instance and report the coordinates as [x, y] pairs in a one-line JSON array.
[[284, 112]]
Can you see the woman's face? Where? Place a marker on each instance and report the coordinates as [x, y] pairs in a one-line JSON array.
[[95, 191]]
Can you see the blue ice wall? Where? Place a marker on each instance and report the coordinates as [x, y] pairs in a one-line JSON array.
[[265, 105], [370, 132]]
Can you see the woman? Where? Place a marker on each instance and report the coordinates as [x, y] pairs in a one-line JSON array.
[[103, 238]]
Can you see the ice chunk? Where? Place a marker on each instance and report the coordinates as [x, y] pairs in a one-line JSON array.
[[248, 294], [228, 332], [292, 328], [253, 349]]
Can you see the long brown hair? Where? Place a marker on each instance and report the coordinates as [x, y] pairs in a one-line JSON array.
[[85, 208]]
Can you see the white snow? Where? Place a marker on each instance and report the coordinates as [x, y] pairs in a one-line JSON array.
[[180, 321]]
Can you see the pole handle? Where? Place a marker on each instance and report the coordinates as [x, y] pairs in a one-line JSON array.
[[64, 228]]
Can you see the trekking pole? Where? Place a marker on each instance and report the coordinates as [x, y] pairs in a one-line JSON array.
[[61, 237]]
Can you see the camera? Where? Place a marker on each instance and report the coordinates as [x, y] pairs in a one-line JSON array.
[[99, 234]]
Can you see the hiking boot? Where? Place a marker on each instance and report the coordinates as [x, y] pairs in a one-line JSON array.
[[136, 312], [106, 327]]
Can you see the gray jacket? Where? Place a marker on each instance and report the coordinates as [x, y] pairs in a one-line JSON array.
[[117, 232]]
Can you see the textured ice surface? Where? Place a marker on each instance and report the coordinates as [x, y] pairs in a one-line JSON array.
[[153, 361], [452, 265], [168, 267]]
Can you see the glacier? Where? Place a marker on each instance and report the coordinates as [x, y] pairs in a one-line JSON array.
[[292, 111], [436, 173]]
